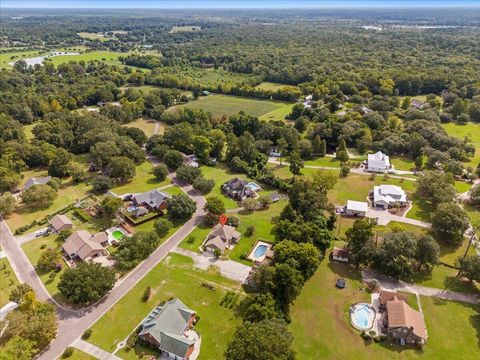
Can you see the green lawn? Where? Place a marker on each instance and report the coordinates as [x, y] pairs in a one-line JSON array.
[[471, 130], [146, 125], [8, 57], [144, 180], [402, 163], [68, 193], [94, 36], [321, 310], [229, 105], [173, 277], [220, 173], [8, 281], [262, 220], [324, 161], [33, 250], [80, 355], [267, 85], [109, 57]]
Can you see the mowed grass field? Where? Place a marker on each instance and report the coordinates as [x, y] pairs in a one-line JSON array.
[[147, 125], [174, 277], [109, 57], [8, 57], [471, 130], [320, 323], [267, 85], [220, 105]]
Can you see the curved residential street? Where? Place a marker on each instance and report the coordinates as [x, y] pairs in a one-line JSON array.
[[72, 323]]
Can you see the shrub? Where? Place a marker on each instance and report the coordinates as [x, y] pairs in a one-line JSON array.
[[86, 334], [250, 230], [146, 294], [190, 239], [203, 186], [132, 341], [217, 253], [67, 353], [233, 221]]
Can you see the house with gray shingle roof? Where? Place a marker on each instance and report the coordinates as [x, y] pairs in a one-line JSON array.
[[221, 237], [152, 200], [36, 181], [166, 328]]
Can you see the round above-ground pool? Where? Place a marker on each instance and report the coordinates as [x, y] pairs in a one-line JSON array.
[[362, 316]]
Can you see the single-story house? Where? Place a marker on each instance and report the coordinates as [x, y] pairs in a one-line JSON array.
[[404, 324], [275, 196], [385, 296], [379, 162], [60, 223], [221, 237], [166, 328], [237, 189], [140, 211], [37, 181], [338, 254], [152, 200], [385, 196], [356, 208], [83, 245]]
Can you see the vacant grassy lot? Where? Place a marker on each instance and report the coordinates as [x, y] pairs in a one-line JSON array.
[[143, 181], [8, 281], [471, 130], [174, 277], [402, 163], [228, 105], [109, 57], [94, 36], [177, 29], [266, 85], [321, 310], [147, 125]]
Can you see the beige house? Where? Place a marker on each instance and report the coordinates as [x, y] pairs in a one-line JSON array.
[[83, 245], [221, 237], [61, 223]]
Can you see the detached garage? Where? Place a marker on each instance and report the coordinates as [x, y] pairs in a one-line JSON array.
[[356, 208]]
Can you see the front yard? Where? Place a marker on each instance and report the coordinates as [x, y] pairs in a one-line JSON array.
[[8, 281], [174, 277]]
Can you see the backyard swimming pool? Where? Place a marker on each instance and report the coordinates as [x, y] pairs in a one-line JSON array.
[[117, 234], [362, 316], [259, 251]]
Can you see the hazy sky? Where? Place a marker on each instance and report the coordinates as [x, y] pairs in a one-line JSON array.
[[179, 4]]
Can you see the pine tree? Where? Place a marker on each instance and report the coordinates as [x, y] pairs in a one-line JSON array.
[[323, 148], [317, 145], [342, 146]]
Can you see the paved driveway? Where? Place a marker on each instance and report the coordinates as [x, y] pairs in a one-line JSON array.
[[384, 217]]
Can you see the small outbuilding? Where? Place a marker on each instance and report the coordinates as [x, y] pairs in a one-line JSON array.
[[356, 208], [338, 254], [60, 223]]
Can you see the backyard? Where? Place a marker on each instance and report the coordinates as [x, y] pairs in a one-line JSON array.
[[174, 277], [322, 309], [147, 125]]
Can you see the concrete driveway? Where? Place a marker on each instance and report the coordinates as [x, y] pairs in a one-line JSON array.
[[228, 268], [384, 217]]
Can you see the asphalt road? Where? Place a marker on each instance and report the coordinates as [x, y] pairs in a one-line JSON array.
[[72, 323]]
